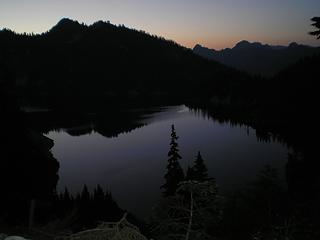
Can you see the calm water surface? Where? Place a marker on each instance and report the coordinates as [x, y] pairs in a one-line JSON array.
[[132, 165]]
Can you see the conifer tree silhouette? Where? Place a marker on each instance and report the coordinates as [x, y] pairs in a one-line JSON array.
[[85, 195], [175, 173], [316, 24], [199, 171], [66, 195], [98, 194]]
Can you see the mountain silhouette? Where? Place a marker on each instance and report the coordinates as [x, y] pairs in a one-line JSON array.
[[257, 58], [66, 26], [74, 64]]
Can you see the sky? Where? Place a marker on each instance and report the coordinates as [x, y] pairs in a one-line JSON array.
[[213, 23]]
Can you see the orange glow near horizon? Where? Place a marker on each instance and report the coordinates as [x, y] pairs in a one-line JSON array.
[[213, 42], [211, 23]]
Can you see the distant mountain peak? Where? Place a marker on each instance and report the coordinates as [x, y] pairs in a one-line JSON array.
[[257, 58], [198, 46], [66, 23], [242, 44], [294, 44]]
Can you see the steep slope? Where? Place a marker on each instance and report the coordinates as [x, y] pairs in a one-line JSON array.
[[72, 62]]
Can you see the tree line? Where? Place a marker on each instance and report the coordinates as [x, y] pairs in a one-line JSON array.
[[75, 65], [85, 208]]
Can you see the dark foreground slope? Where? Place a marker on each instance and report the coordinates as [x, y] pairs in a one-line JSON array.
[[74, 64], [28, 168], [256, 58]]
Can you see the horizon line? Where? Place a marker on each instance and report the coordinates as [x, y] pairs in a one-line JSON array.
[[160, 36]]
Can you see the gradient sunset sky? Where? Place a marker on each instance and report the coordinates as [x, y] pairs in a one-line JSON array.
[[212, 23]]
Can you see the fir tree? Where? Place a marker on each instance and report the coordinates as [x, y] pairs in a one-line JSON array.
[[199, 171], [175, 173], [85, 195], [98, 194], [66, 195], [316, 24]]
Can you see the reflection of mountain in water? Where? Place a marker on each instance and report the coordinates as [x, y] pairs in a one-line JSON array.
[[108, 124], [111, 124], [262, 134], [115, 125]]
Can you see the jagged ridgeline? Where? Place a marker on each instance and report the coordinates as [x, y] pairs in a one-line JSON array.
[[257, 58], [74, 63]]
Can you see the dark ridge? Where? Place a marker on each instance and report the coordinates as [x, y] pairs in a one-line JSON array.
[[77, 65], [257, 58], [242, 45], [65, 24]]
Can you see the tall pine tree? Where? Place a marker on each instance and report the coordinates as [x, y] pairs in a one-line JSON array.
[[175, 173], [199, 171], [316, 24]]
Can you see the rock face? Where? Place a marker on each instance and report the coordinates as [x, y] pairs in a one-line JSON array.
[[257, 58]]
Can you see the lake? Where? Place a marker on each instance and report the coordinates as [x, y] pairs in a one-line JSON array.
[[132, 164]]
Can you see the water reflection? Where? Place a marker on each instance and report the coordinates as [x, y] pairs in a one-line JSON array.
[[128, 154]]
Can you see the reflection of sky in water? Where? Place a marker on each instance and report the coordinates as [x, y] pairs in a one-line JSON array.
[[133, 164]]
